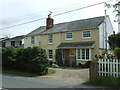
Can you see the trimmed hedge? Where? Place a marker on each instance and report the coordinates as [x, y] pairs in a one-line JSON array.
[[31, 59]]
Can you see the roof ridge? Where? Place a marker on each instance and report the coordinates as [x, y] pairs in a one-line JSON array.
[[70, 26], [80, 20]]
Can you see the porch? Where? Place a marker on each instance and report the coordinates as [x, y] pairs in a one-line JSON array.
[[71, 54]]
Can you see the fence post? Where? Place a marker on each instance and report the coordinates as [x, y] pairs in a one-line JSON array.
[[94, 70]]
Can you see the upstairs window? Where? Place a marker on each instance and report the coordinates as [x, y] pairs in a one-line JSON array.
[[69, 35], [32, 39], [86, 34], [50, 39]]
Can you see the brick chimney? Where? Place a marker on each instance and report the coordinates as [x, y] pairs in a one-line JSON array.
[[49, 22]]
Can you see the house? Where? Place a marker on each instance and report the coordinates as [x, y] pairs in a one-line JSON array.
[[17, 41], [1, 41], [71, 42]]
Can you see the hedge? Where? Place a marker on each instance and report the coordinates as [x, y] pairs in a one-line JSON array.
[[31, 59]]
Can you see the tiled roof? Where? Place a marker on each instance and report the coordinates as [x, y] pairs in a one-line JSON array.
[[15, 38], [90, 23], [77, 44]]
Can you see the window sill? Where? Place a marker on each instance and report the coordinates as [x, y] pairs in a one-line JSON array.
[[83, 60], [50, 59], [86, 37], [70, 39], [50, 43], [32, 44]]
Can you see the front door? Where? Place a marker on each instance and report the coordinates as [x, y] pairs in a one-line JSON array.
[[66, 63], [59, 57]]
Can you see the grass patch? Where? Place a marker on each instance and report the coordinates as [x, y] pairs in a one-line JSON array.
[[25, 74], [19, 73], [106, 81], [50, 71]]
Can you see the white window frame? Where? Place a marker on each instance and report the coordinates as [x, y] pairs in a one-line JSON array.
[[49, 54], [85, 54], [67, 37], [32, 39], [83, 35], [50, 38], [8, 43]]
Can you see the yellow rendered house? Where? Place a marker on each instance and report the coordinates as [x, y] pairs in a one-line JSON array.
[[71, 42]]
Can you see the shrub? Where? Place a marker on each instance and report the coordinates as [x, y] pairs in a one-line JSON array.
[[33, 60], [117, 52], [9, 57]]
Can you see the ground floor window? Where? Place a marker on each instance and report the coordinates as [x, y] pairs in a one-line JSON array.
[[50, 54], [83, 54]]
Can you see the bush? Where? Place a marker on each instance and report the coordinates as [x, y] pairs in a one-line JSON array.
[[9, 57], [32, 60], [117, 52]]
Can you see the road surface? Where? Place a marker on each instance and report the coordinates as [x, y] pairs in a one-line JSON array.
[[63, 78], [11, 81]]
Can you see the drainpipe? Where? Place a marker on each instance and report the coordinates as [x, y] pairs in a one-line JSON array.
[[105, 34]]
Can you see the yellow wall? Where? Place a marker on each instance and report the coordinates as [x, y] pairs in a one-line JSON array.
[[42, 40]]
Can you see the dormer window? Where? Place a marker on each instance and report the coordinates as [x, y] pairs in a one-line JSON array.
[[69, 35]]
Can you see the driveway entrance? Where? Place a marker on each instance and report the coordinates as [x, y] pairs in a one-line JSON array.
[[71, 76]]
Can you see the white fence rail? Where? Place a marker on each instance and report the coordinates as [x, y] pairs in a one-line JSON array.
[[108, 67]]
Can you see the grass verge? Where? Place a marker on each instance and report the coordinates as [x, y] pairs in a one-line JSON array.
[[25, 74], [19, 73], [105, 81]]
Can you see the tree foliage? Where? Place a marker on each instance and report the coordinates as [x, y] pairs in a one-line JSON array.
[[115, 6], [114, 41]]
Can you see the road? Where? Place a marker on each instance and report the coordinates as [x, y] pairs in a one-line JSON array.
[[11, 81], [56, 80]]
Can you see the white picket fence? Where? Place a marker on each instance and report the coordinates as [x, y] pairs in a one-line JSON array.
[[109, 67]]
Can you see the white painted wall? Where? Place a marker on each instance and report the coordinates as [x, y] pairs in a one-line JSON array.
[[109, 29], [101, 36]]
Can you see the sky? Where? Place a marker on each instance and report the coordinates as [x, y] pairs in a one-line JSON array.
[[16, 12]]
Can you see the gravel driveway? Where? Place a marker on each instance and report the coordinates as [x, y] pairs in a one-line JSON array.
[[70, 76]]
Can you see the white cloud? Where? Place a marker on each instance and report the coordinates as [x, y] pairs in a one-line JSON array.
[[20, 11]]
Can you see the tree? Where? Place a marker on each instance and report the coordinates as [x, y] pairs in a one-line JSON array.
[[114, 42], [115, 6]]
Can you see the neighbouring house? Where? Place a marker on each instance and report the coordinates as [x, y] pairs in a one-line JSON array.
[[1, 41], [17, 41], [72, 42]]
